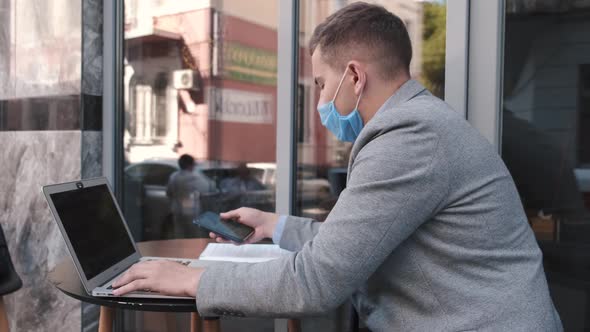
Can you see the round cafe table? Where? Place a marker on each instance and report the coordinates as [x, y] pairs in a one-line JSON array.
[[65, 277]]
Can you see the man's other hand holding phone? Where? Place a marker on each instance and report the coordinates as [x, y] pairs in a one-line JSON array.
[[264, 224]]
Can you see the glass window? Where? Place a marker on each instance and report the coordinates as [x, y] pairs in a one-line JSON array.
[[322, 160], [545, 142], [199, 79]]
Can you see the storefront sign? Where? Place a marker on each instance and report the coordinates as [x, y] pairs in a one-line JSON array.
[[249, 64], [240, 106]]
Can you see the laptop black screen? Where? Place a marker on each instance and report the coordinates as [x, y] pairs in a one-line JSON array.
[[94, 228]]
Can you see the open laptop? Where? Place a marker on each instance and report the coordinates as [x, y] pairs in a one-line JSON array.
[[97, 235]]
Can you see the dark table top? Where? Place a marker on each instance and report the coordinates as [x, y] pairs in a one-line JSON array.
[[66, 279]]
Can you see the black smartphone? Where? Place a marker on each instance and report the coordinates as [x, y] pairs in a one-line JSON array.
[[226, 228]]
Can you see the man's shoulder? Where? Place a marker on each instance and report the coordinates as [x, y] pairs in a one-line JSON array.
[[423, 107], [421, 115], [414, 128]]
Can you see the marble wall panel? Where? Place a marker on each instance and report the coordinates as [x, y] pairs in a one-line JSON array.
[[29, 160], [6, 50], [91, 154], [92, 19]]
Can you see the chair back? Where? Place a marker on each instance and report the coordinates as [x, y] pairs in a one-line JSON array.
[[9, 279]]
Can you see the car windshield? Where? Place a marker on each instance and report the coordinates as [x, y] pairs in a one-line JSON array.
[[151, 174]]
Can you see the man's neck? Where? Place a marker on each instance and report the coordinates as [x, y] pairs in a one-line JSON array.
[[379, 96]]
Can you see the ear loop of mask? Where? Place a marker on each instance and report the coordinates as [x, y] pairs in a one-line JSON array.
[[340, 84], [359, 99]]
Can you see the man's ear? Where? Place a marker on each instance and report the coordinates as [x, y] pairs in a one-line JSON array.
[[358, 76]]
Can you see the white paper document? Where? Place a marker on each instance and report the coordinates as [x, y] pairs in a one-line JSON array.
[[248, 253]]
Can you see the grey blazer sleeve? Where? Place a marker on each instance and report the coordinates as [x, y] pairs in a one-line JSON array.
[[392, 189], [297, 232]]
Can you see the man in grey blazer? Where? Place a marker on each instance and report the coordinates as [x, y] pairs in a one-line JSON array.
[[429, 234]]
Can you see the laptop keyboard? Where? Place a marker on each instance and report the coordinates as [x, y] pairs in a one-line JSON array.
[[183, 262], [142, 291]]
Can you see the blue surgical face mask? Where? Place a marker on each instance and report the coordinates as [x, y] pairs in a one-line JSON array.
[[345, 127]]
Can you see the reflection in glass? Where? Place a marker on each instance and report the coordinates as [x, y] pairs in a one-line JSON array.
[[199, 79], [545, 139]]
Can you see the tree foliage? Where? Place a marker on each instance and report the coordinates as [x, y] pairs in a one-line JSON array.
[[433, 47]]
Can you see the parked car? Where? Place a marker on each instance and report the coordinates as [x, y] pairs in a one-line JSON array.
[[311, 189], [147, 208]]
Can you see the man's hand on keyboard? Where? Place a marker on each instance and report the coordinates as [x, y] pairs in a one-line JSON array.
[[162, 276]]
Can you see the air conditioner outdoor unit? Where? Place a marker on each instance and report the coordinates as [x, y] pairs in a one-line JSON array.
[[184, 79]]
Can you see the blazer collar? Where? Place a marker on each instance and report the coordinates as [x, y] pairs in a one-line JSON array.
[[407, 91]]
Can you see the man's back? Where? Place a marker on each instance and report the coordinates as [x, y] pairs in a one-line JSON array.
[[475, 263]]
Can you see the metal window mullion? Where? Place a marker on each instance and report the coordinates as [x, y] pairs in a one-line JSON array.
[[108, 105], [485, 68], [287, 57], [457, 55], [286, 94], [112, 121]]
